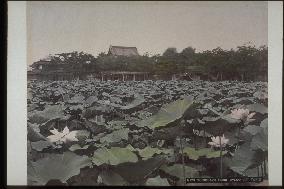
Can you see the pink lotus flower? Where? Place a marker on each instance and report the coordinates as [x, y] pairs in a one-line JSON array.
[[216, 141], [242, 114]]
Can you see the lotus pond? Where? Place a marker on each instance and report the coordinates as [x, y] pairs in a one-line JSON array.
[[145, 132]]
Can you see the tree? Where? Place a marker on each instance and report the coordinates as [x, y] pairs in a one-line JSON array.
[[170, 52], [244, 63], [188, 53]]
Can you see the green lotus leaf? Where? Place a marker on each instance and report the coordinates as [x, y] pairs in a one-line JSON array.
[[116, 124], [203, 152], [116, 136], [130, 147], [260, 141], [77, 99], [260, 94], [75, 147], [142, 169], [149, 152], [50, 112], [243, 159], [252, 129], [139, 99], [29, 94], [90, 100], [82, 135], [260, 108], [40, 145], [264, 123], [169, 113], [219, 125], [113, 156], [157, 181], [56, 166], [111, 178], [34, 135], [177, 171]]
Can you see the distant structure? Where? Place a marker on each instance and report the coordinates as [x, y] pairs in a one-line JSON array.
[[194, 73], [122, 51], [59, 69], [124, 76], [49, 69], [46, 69]]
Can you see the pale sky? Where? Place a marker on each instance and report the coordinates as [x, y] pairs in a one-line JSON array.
[[57, 27]]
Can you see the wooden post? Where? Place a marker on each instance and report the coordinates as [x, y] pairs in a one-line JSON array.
[[102, 77], [122, 77], [134, 77]]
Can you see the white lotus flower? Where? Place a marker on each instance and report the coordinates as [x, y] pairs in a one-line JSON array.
[[216, 141], [242, 114], [63, 136], [99, 180]]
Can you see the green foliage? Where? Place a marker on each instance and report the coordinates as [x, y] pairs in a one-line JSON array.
[[244, 158], [50, 112], [116, 136], [145, 125], [177, 171], [111, 178], [169, 113], [113, 156], [149, 152], [203, 152], [244, 63], [157, 181], [56, 166]]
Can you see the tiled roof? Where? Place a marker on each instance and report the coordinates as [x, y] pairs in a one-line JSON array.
[[123, 51]]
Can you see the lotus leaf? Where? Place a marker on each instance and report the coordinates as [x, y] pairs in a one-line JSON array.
[[221, 124], [260, 108], [142, 169], [109, 177], [116, 136], [75, 147], [260, 141], [149, 152], [170, 113], [244, 158], [252, 129], [56, 166], [203, 152], [177, 171], [157, 181], [113, 156], [40, 145], [50, 112], [264, 124]]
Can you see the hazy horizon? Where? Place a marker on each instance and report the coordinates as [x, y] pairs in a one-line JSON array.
[[91, 27]]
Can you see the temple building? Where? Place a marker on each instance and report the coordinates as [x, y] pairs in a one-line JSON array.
[[48, 69], [122, 51]]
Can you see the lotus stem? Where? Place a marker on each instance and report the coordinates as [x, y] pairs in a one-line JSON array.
[[182, 159], [264, 167], [261, 170], [221, 164], [195, 147], [204, 136], [239, 131]]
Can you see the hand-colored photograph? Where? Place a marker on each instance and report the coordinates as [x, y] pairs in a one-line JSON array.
[[147, 93]]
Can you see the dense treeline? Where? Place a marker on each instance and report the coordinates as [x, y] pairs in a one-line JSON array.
[[244, 63]]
